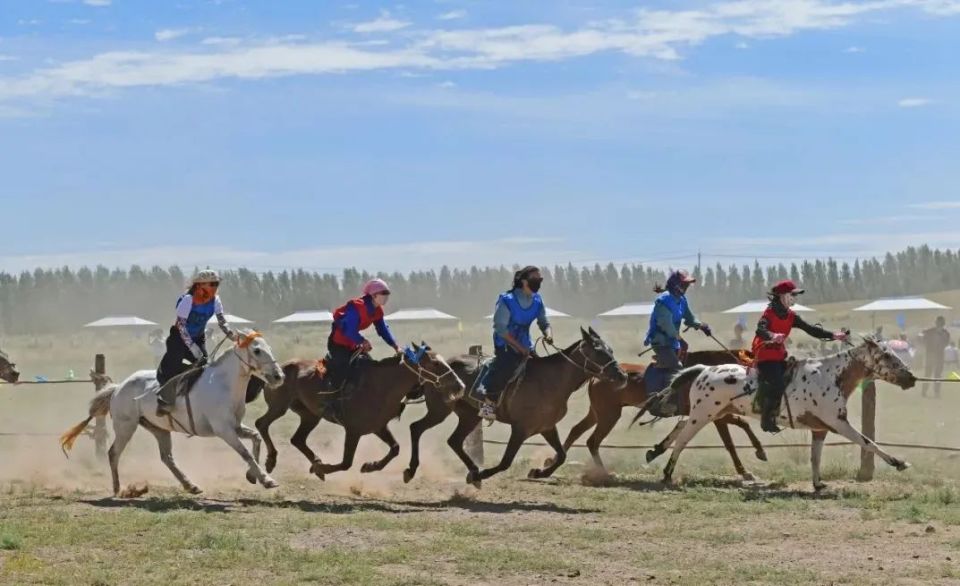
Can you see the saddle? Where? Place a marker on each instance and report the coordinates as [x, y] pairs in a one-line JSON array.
[[789, 372], [179, 385], [474, 396]]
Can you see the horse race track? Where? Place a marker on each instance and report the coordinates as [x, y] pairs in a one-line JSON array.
[[367, 530]]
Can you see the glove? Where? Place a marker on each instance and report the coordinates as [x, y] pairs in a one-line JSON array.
[[840, 336], [706, 330], [197, 352], [777, 338], [397, 350], [548, 340], [232, 335], [201, 362], [366, 346]]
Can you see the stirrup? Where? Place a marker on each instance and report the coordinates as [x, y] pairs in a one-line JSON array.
[[488, 412]]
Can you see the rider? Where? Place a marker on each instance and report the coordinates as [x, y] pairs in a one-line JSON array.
[[670, 310], [769, 347], [356, 315], [187, 339], [516, 311]]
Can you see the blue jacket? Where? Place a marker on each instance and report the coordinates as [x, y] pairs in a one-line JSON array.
[[512, 317], [349, 323], [669, 311]]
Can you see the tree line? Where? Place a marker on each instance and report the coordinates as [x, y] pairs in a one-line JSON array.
[[51, 300]]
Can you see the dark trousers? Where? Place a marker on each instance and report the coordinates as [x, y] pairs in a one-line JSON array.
[[932, 368], [771, 383], [340, 369], [172, 362], [506, 361]]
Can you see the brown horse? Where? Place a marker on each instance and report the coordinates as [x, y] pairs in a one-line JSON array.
[[366, 408], [8, 370], [606, 407], [533, 407]]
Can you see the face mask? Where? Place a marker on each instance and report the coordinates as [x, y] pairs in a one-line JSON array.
[[534, 284]]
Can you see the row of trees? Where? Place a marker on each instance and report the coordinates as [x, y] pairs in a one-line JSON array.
[[63, 299]]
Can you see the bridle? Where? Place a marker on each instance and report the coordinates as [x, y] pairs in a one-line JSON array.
[[426, 376], [590, 367]]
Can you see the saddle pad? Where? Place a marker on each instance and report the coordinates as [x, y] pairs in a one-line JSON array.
[[475, 396]]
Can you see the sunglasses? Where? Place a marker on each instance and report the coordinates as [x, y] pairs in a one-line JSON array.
[[211, 285]]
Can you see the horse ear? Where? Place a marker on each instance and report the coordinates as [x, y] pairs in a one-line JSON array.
[[593, 332], [584, 333]]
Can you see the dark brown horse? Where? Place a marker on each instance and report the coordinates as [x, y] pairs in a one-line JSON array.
[[367, 407], [606, 407], [8, 370], [533, 407]]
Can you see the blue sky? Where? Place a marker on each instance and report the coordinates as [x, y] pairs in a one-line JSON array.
[[398, 136]]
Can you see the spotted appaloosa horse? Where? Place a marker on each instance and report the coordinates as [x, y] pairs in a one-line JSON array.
[[817, 396], [8, 370]]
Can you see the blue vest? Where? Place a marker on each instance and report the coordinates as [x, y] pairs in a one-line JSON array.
[[677, 308], [520, 319], [199, 316]]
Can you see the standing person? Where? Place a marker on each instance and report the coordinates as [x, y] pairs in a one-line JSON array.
[[187, 340], [353, 317], [515, 312], [935, 341], [770, 348], [738, 343], [158, 345]]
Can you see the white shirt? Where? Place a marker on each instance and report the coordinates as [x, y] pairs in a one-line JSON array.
[[186, 304]]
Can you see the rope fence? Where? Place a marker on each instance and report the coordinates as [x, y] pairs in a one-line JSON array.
[[740, 447]]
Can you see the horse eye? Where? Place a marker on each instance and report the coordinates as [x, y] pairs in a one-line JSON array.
[[256, 351]]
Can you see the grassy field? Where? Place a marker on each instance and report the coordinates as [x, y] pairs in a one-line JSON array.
[[58, 526]]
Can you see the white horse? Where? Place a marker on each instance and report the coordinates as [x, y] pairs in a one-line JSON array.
[[815, 399], [214, 407]]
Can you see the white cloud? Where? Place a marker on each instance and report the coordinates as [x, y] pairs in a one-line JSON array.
[[169, 34], [80, 21], [29, 22], [447, 84], [388, 257], [8, 58], [453, 15], [97, 3], [914, 102], [845, 245], [384, 24], [854, 50], [936, 205], [888, 220], [742, 46], [221, 41], [656, 34]]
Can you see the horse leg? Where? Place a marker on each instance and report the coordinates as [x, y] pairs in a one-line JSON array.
[[277, 407], [466, 423], [666, 442], [840, 425], [252, 435], [350, 441], [308, 422], [696, 422], [387, 437], [166, 455], [123, 430], [754, 440], [816, 451], [588, 421], [231, 435], [607, 420], [434, 417], [513, 446], [553, 438], [724, 432]]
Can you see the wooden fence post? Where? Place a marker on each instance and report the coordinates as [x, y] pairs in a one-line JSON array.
[[869, 424], [100, 427]]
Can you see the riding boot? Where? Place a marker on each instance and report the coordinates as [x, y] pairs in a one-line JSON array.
[[771, 409], [163, 408]]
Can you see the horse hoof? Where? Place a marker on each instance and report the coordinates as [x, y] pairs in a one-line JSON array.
[[193, 489], [652, 455], [251, 478], [315, 469], [901, 465], [819, 487], [473, 477], [534, 473], [271, 463], [367, 468], [407, 475], [270, 483], [761, 455], [748, 477], [548, 463]]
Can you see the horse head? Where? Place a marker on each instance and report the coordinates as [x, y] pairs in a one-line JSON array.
[[881, 363], [433, 371], [600, 361], [258, 356], [8, 370]]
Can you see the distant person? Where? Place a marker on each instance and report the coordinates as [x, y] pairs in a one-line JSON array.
[[902, 348], [516, 311], [346, 346], [738, 343], [878, 334], [158, 345], [187, 339], [935, 341]]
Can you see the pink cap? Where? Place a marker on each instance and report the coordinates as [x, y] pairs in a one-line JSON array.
[[376, 286]]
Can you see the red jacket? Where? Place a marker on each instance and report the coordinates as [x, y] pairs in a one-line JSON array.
[[367, 319], [765, 351]]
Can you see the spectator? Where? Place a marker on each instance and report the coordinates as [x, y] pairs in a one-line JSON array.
[[935, 341]]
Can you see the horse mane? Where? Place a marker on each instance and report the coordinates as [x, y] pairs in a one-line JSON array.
[[556, 355]]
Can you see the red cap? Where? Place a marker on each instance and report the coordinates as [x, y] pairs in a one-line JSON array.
[[786, 286]]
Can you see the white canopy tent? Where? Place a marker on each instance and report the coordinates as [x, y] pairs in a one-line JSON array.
[[420, 314], [236, 319], [550, 313], [760, 307], [306, 317], [120, 321], [900, 304], [630, 310]]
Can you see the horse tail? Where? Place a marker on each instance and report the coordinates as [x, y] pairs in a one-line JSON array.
[[683, 378], [99, 407]]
